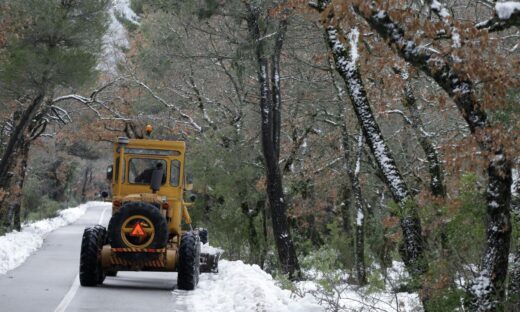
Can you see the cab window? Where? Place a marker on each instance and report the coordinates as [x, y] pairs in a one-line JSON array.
[[141, 169], [175, 173]]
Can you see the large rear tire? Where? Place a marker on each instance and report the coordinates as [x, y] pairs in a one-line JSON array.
[[189, 262], [145, 214], [90, 271]]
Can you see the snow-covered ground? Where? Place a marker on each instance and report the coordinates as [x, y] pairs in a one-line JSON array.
[[16, 247], [242, 287], [116, 38]]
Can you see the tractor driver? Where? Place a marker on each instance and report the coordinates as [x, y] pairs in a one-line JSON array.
[[145, 177]]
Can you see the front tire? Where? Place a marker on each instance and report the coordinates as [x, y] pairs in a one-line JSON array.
[[189, 262], [90, 271]]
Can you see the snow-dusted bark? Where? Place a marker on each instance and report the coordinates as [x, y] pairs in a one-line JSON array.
[[444, 15], [358, 204], [275, 195], [413, 244], [488, 289], [360, 215], [275, 82], [513, 290], [435, 66]]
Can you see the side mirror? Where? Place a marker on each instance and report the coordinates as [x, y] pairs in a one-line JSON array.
[[110, 172], [193, 198], [157, 177], [188, 186], [104, 194], [189, 178]]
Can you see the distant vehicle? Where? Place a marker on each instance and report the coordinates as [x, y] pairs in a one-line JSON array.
[[144, 233]]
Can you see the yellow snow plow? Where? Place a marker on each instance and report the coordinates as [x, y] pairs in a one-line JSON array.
[[145, 231]]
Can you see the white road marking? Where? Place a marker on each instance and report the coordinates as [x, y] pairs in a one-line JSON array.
[[75, 285]]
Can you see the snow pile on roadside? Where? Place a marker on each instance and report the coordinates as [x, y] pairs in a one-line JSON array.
[[242, 287], [16, 247], [207, 249]]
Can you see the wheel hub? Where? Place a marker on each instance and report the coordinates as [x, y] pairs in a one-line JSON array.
[[137, 231]]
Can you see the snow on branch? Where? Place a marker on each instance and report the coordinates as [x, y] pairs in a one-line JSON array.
[[347, 68], [190, 120], [441, 70], [505, 10], [92, 102], [444, 15], [507, 14]]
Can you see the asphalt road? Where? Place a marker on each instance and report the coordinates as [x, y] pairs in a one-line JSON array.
[[48, 280]]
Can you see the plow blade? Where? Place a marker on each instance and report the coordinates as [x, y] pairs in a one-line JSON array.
[[209, 262]]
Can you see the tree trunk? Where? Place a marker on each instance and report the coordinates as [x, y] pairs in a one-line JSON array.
[[11, 205], [513, 289], [14, 139], [270, 135], [461, 90], [432, 156], [488, 288], [254, 242], [344, 205], [86, 181], [413, 244], [360, 215], [13, 165]]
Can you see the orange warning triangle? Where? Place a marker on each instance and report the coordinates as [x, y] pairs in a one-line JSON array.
[[138, 230]]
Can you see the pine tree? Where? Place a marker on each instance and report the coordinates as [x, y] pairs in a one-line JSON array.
[[57, 46]]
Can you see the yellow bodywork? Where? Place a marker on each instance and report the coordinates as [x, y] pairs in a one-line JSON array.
[[169, 197], [123, 191]]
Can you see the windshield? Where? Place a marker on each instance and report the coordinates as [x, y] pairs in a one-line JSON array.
[[141, 169]]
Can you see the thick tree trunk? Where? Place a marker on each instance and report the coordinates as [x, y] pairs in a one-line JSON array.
[[276, 85], [488, 289], [360, 215], [344, 205], [13, 165], [413, 244], [14, 139], [513, 289], [270, 135], [358, 202], [461, 90], [11, 205]]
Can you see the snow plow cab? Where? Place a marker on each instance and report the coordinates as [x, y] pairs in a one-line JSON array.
[[145, 232]]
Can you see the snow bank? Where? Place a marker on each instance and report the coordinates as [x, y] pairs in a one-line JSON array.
[[206, 248], [242, 287], [16, 247]]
